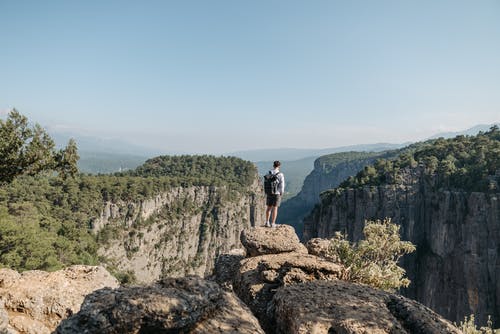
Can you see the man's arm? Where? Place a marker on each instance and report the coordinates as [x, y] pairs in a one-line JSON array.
[[282, 184]]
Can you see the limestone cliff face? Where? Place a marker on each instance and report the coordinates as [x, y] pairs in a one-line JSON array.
[[178, 232], [320, 179], [456, 268]]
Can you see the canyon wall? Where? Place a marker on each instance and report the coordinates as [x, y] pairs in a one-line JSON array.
[[456, 268]]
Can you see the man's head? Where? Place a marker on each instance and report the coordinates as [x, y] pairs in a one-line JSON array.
[[276, 164]]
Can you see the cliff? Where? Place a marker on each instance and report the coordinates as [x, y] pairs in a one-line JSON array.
[[178, 232], [329, 171], [456, 268]]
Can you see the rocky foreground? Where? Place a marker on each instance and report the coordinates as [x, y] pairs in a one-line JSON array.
[[280, 286]]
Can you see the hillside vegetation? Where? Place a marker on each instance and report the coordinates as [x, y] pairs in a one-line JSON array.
[[470, 163], [199, 170], [45, 220]]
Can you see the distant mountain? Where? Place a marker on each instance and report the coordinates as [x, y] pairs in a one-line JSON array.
[[295, 172], [291, 154], [469, 132], [102, 145], [105, 163], [296, 169], [103, 155]]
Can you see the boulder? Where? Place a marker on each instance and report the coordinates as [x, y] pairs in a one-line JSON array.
[[342, 307], [172, 305], [259, 277], [266, 240], [319, 247], [37, 301]]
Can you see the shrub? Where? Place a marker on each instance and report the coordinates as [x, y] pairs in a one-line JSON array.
[[374, 260], [468, 326]]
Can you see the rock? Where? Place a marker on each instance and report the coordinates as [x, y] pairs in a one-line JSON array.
[[342, 307], [226, 267], [173, 305], [5, 327], [265, 240], [319, 247], [37, 301], [259, 277]]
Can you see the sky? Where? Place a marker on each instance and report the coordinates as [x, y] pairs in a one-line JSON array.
[[220, 76]]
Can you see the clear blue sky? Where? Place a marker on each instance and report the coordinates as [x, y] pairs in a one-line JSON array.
[[218, 76]]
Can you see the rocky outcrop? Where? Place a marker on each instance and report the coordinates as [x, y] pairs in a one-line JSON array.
[[456, 268], [324, 307], [265, 240], [182, 305], [258, 279], [291, 292], [36, 301], [177, 233], [320, 247]]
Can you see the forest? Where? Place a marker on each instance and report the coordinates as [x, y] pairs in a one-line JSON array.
[[463, 163], [47, 206]]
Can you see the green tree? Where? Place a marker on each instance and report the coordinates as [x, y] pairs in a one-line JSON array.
[[67, 160], [29, 150], [23, 149]]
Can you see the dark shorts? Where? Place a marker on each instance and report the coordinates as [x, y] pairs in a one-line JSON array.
[[273, 200]]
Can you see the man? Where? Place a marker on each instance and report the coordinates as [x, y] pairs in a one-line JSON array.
[[274, 196]]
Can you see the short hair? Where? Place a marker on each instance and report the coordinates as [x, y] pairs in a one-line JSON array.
[[276, 164]]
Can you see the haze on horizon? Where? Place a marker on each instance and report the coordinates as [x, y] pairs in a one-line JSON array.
[[222, 76]]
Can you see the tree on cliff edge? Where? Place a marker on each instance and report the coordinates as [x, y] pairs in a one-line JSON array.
[[29, 150]]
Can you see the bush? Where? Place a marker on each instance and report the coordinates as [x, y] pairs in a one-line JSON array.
[[374, 260], [468, 326]]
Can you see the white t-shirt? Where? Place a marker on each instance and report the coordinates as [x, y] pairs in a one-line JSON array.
[[281, 178]]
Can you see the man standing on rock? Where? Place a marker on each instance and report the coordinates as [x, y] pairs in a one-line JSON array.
[[274, 186]]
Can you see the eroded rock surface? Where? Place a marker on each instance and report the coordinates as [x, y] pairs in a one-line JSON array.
[[319, 247], [341, 307], [302, 293], [4, 321], [174, 305], [36, 301], [259, 277], [266, 240], [226, 267]]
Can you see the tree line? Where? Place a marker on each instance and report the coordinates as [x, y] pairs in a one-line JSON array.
[[468, 163]]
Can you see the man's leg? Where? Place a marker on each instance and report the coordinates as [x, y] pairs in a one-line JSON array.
[[275, 214], [268, 214]]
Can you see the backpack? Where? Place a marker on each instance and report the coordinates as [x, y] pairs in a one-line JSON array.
[[271, 183]]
